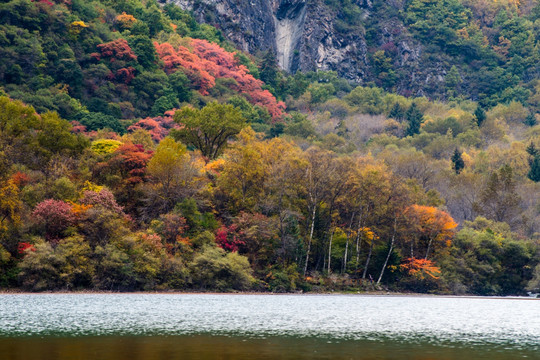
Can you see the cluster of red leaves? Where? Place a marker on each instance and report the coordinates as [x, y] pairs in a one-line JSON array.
[[103, 198], [77, 127], [132, 160], [209, 61], [152, 240], [189, 63], [20, 179], [228, 239], [421, 268], [24, 246], [158, 126], [125, 75], [115, 50], [54, 215], [222, 64], [44, 2], [390, 47]]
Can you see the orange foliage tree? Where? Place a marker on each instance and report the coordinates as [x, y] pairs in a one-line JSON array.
[[421, 268], [429, 227]]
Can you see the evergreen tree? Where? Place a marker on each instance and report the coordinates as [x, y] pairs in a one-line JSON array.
[[480, 115], [534, 172], [414, 117], [530, 120], [452, 81], [532, 150], [397, 112], [269, 69], [457, 162]]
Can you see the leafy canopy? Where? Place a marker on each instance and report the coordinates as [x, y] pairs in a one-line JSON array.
[[209, 128]]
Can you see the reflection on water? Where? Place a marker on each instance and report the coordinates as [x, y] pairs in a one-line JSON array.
[[150, 326], [204, 347]]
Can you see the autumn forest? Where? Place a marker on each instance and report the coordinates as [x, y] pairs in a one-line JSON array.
[[141, 150]]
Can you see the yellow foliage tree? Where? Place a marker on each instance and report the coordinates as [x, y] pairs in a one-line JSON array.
[[125, 21], [10, 204], [76, 27]]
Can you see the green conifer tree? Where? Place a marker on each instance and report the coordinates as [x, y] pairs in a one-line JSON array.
[[534, 172], [452, 81], [480, 115], [269, 69], [532, 150], [414, 117], [457, 161], [397, 112], [530, 120]]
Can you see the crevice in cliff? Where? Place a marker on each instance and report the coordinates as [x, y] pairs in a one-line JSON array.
[[289, 23]]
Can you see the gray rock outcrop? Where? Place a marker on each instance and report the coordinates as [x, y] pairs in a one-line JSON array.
[[300, 32]]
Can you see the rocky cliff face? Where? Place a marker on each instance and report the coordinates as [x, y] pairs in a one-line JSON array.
[[300, 32], [303, 35]]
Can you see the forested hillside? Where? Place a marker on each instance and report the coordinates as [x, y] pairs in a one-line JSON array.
[[478, 49], [140, 150]]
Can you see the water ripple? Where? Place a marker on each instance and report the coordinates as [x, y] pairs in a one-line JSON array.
[[444, 321]]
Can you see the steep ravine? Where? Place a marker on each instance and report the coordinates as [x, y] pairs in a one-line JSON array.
[[289, 25]]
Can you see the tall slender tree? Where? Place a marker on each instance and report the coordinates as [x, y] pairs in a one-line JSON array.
[[414, 119], [479, 115], [457, 161]]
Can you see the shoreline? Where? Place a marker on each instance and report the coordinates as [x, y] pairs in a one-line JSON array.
[[240, 293]]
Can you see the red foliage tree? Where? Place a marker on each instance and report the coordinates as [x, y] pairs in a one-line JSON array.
[[20, 179], [125, 74], [158, 126], [209, 61], [77, 127], [55, 216], [131, 160], [118, 56], [258, 237], [189, 63], [103, 198], [44, 2], [24, 246], [228, 239], [116, 50], [222, 64]]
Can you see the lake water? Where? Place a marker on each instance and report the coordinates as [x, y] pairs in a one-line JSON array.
[[186, 326]]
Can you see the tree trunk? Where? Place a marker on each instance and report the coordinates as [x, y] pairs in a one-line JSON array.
[[358, 243], [428, 247], [330, 252], [345, 256], [389, 252], [310, 238], [344, 267], [368, 259]]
